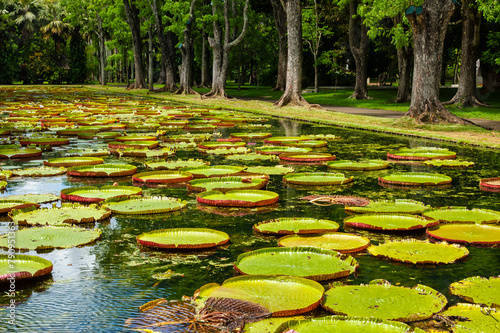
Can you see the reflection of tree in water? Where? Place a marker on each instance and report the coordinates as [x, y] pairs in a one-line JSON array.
[[291, 127]]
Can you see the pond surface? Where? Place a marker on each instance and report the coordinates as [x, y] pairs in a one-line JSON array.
[[95, 288]]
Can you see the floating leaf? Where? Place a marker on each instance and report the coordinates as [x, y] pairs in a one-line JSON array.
[[276, 150], [421, 154], [13, 153], [307, 144], [389, 222], [174, 165], [103, 170], [224, 145], [39, 172], [448, 163], [43, 141], [400, 206], [252, 157], [183, 238], [34, 198], [238, 198], [478, 290], [94, 194], [490, 184], [306, 157], [347, 200], [73, 161], [317, 178], [136, 205], [270, 170], [475, 318], [162, 177], [337, 241], [475, 234], [295, 225], [224, 184], [463, 215], [358, 165], [23, 267], [251, 136], [133, 144], [8, 205], [213, 171], [415, 179]]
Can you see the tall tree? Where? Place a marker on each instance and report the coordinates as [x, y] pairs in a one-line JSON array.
[[205, 58], [358, 43], [132, 13], [187, 50], [279, 12]]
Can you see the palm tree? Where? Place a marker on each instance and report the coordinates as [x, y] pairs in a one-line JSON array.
[[56, 27], [27, 15]]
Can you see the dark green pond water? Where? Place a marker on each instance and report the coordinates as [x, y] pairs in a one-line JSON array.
[[96, 288]]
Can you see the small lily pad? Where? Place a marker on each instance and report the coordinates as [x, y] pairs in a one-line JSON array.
[[463, 215], [213, 171], [137, 205], [448, 163], [295, 225], [73, 161], [224, 145], [23, 267], [317, 178], [306, 157], [43, 141], [358, 165], [271, 170], [14, 153], [399, 206], [421, 154], [183, 238], [174, 165], [162, 177], [276, 150], [478, 290], [39, 172], [337, 241], [415, 179], [252, 157], [389, 222], [34, 198]]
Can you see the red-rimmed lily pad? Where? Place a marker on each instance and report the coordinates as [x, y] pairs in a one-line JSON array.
[[317, 178], [224, 184], [462, 215], [475, 234], [162, 177], [137, 205], [477, 289], [133, 144], [8, 205], [149, 153], [474, 318], [34, 198], [238, 198], [183, 238], [358, 165], [278, 140], [337, 241], [271, 170], [306, 144], [14, 153], [421, 154], [22, 267], [296, 225], [276, 150], [128, 138], [448, 164], [219, 145], [174, 165], [43, 141], [415, 179], [252, 157], [188, 137], [306, 157], [380, 299], [73, 161], [102, 170], [251, 136], [490, 184], [389, 222], [281, 295], [39, 172], [213, 171], [95, 194], [400, 206], [412, 251]]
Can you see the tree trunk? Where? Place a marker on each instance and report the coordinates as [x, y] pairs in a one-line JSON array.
[[404, 71], [186, 72], [429, 30], [293, 91], [204, 59], [280, 21], [150, 59], [358, 43], [170, 84], [132, 14], [466, 93], [315, 73], [102, 52]]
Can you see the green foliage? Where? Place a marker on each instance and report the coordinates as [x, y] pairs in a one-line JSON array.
[[77, 58]]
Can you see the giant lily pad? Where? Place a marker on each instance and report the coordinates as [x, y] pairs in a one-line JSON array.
[[390, 222], [358, 165], [278, 140], [227, 151], [421, 154], [306, 157], [475, 234], [337, 241], [271, 170], [149, 153], [415, 179], [224, 145], [213, 171], [448, 163], [103, 170], [39, 172], [307, 144], [317, 178], [224, 184], [133, 144], [238, 198], [478, 289], [174, 165], [419, 252], [188, 137], [276, 150], [401, 206], [128, 138], [336, 324], [251, 136], [34, 198], [490, 184], [73, 161], [67, 213], [87, 152], [23, 267], [296, 225], [281, 295], [463, 215], [162, 177], [136, 205], [51, 237], [94, 194], [252, 157], [183, 238], [8, 205], [13, 153], [308, 262], [43, 141], [269, 325], [474, 318], [381, 300]]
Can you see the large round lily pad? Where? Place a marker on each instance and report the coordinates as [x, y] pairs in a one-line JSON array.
[[271, 170], [183, 238], [421, 154], [223, 145], [463, 215], [14, 153], [67, 213], [43, 141], [415, 179], [174, 165], [391, 222], [8, 205], [23, 267], [133, 144], [490, 184], [475, 234], [308, 262], [474, 318], [128, 138], [224, 184], [317, 178], [414, 251], [162, 177], [278, 140], [39, 172], [251, 136], [401, 206], [213, 171], [358, 165], [136, 205], [381, 300], [73, 161], [296, 225], [51, 237], [252, 157], [276, 150], [337, 241], [34, 198], [307, 143], [306, 157], [479, 290], [94, 194], [103, 170], [448, 164], [281, 295], [238, 198]]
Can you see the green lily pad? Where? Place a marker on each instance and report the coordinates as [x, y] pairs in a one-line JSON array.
[[8, 205], [73, 161], [162, 177], [23, 267], [490, 184], [317, 178], [67, 213], [308, 262], [306, 157], [479, 319], [102, 170], [337, 241], [87, 152], [34, 198], [43, 141], [414, 251], [227, 151], [276, 150], [463, 215], [277, 140], [51, 237], [421, 154], [149, 153], [252, 157], [269, 325], [213, 171], [271, 170], [13, 153], [392, 222], [39, 172], [296, 225], [383, 301], [400, 206], [94, 194], [475, 234], [448, 163], [183, 238], [133, 144], [251, 136], [358, 165], [224, 184], [135, 137], [306, 144], [174, 165], [334, 324], [224, 145], [281, 295], [415, 179], [238, 198], [190, 137], [137, 205], [479, 290]]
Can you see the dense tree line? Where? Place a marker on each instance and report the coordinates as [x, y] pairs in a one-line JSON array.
[[284, 44]]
